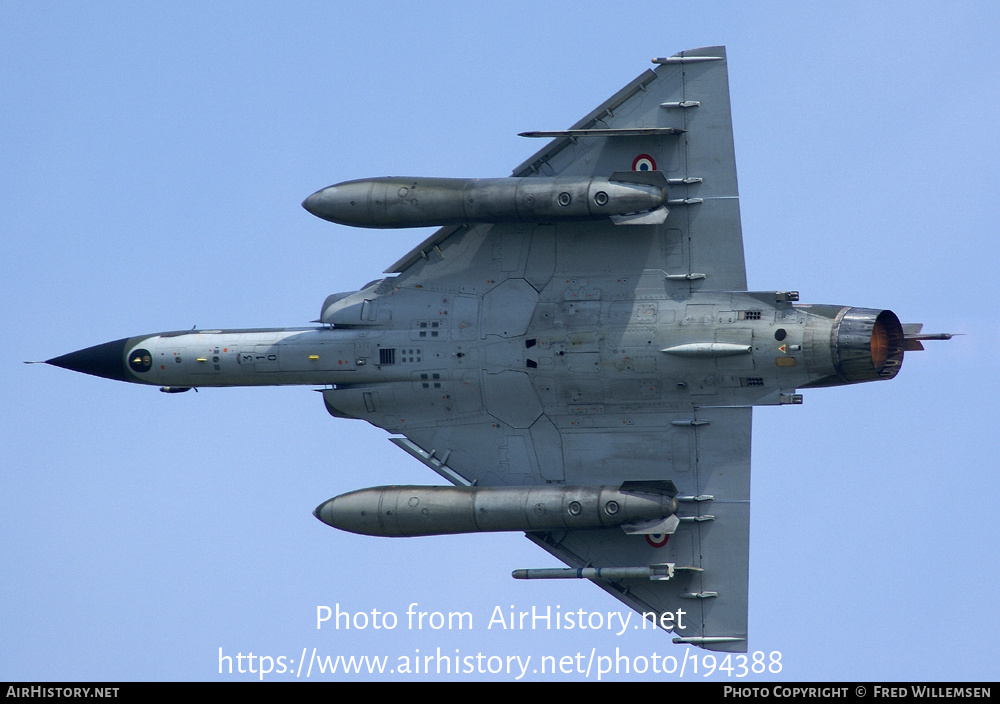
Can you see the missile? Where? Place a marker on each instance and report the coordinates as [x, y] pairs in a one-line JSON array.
[[626, 197], [657, 573], [396, 511]]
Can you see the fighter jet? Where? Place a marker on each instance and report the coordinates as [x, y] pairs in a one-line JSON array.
[[575, 352]]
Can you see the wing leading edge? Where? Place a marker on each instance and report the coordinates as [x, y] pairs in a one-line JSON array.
[[686, 95], [705, 452], [564, 384]]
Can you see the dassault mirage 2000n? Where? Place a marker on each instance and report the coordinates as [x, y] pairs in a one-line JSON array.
[[575, 351]]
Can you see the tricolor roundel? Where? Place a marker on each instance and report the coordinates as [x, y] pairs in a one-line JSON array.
[[658, 540], [644, 162]]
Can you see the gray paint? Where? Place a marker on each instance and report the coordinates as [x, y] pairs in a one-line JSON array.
[[521, 351]]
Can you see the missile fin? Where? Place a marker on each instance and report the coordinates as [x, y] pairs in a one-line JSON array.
[[666, 526], [652, 486], [653, 217], [647, 178]]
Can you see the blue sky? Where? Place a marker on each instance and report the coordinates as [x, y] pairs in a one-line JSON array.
[[155, 156]]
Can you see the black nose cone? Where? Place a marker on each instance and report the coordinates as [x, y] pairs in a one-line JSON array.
[[107, 360]]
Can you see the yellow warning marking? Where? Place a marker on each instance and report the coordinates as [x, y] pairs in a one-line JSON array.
[[314, 357]]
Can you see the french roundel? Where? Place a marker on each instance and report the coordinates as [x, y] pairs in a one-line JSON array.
[[658, 540], [644, 162]]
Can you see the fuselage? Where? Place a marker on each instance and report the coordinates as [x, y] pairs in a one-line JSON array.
[[712, 349]]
